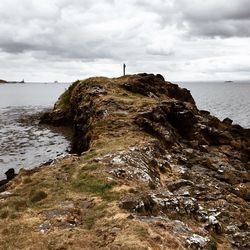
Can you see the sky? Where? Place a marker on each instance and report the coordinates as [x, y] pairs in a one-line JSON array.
[[66, 40]]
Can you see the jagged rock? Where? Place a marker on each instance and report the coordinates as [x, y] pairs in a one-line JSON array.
[[214, 225], [199, 242], [167, 160], [168, 120], [177, 184]]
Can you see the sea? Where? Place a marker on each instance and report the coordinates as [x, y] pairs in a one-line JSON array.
[[24, 143], [223, 99]]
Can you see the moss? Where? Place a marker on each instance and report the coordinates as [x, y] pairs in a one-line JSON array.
[[91, 184], [64, 100], [37, 196], [90, 154]]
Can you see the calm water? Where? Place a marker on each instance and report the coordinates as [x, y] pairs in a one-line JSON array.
[[223, 99], [23, 142]]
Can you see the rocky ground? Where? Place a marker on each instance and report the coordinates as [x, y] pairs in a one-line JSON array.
[[148, 171]]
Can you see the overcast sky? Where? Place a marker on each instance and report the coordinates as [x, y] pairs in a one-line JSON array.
[[65, 40]]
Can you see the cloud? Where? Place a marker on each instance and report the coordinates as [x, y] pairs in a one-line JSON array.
[[98, 36], [216, 18]]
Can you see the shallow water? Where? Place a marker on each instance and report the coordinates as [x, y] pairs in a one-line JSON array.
[[223, 99], [23, 142]]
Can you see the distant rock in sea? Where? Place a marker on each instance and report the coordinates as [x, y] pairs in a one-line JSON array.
[[2, 81]]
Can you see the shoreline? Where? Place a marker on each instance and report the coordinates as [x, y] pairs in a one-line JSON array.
[[28, 134]]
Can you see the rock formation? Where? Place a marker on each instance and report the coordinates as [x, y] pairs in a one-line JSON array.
[[2, 81], [149, 171]]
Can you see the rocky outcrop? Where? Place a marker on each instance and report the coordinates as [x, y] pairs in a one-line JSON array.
[[2, 81], [155, 172], [10, 174]]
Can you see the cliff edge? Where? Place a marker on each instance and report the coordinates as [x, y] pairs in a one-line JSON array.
[[148, 170]]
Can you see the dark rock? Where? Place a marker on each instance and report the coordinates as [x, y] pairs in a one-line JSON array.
[[227, 121], [205, 112], [177, 184], [160, 77], [2, 183], [145, 84], [215, 137], [167, 120], [10, 174]]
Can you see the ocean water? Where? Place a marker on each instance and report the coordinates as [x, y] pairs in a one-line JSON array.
[[23, 142], [26, 144], [223, 99]]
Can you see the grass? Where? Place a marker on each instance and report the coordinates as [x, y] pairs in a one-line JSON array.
[[37, 196], [64, 100], [18, 204], [91, 166], [90, 154], [90, 184]]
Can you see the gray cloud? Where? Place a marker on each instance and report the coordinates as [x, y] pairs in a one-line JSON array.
[[97, 36], [216, 18]]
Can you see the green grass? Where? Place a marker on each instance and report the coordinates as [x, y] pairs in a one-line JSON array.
[[91, 184], [90, 154], [37, 196], [64, 100]]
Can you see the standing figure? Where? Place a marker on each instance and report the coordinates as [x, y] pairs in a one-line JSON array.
[[124, 69]]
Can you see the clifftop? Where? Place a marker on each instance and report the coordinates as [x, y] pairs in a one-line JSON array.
[[150, 171]]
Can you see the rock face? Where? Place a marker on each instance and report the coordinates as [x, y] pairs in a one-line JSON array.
[[170, 176]]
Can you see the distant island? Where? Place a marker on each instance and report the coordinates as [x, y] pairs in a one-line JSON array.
[[228, 81], [3, 81]]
